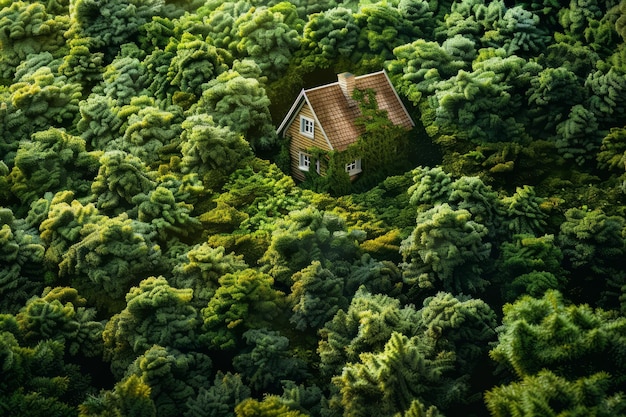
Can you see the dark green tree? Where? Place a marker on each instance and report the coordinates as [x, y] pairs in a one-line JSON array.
[[28, 28], [155, 314], [365, 326], [52, 161], [573, 341], [447, 250], [310, 235], [237, 100], [316, 295], [196, 63], [208, 148], [60, 314], [111, 256], [22, 260], [174, 377], [388, 382], [530, 265], [220, 399], [201, 268], [548, 394], [267, 360], [121, 177], [267, 39], [245, 300], [593, 245], [329, 36]]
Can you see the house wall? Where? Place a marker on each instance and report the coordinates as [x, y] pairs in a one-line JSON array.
[[300, 143]]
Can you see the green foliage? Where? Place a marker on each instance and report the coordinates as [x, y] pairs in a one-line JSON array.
[[148, 131], [99, 122], [60, 314], [550, 394], [62, 228], [220, 399], [476, 105], [304, 398], [459, 324], [607, 88], [267, 360], [245, 300], [310, 235], [28, 28], [270, 406], [43, 96], [137, 169], [13, 127], [155, 314], [519, 32], [236, 99], [52, 161], [81, 65], [329, 36], [551, 94], [432, 186], [371, 327], [121, 177], [530, 265], [196, 63], [110, 23], [316, 295], [22, 260], [123, 79], [267, 39], [417, 409], [110, 257], [365, 326], [577, 57], [129, 397], [379, 277], [207, 147], [174, 377], [573, 341], [168, 217], [201, 268], [593, 246], [525, 212], [447, 250], [263, 193], [612, 155], [420, 65], [35, 379], [388, 382], [381, 30]]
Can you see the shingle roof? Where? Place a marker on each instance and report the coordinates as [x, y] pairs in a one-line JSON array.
[[337, 117]]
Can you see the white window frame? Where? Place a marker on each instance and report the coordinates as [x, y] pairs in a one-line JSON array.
[[307, 127], [354, 167], [304, 161]]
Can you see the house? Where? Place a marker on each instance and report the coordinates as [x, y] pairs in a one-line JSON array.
[[324, 118]]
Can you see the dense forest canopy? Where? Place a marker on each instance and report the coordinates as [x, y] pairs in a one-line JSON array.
[[157, 260]]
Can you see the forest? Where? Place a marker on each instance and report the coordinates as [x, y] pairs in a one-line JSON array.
[[157, 259]]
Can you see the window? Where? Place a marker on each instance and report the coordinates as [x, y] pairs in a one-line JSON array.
[[304, 161], [354, 167], [307, 127]]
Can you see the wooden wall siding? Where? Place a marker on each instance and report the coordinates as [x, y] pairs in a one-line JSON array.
[[300, 143]]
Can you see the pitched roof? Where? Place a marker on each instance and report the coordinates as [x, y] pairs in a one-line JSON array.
[[336, 117]]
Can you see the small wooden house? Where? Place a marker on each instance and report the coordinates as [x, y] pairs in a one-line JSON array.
[[324, 118]]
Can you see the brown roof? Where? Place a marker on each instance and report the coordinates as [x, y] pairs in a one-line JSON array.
[[337, 117]]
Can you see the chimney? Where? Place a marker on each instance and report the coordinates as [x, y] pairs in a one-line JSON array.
[[346, 82]]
